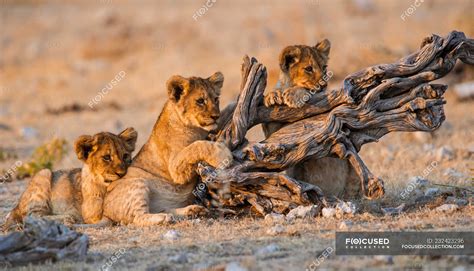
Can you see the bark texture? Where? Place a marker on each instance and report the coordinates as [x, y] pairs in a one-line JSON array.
[[42, 240], [371, 103]]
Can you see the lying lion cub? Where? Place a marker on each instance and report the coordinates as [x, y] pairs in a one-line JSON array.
[[160, 182], [76, 195]]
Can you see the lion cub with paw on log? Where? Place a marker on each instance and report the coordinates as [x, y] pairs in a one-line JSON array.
[[303, 71], [160, 181], [76, 195]]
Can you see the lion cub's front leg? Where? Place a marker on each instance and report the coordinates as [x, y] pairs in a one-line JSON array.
[[182, 167]]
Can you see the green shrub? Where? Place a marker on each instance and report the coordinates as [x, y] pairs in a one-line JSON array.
[[44, 156]]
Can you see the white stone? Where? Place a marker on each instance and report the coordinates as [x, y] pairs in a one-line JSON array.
[[275, 230], [303, 212], [445, 153], [448, 208], [329, 212], [171, 235]]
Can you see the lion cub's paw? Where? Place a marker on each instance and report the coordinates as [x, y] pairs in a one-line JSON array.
[[296, 97], [273, 97], [193, 210], [221, 157]]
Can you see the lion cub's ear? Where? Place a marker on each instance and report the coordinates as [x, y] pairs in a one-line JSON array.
[[323, 47], [217, 80], [83, 146], [177, 86], [288, 57], [129, 135]]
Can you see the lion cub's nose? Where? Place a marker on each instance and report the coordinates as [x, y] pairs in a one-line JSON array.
[[215, 117]]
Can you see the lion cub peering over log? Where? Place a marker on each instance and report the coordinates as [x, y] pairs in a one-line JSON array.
[[76, 195], [303, 72], [160, 182]]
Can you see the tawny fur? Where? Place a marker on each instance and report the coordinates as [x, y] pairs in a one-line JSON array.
[[303, 69], [76, 195], [160, 182]]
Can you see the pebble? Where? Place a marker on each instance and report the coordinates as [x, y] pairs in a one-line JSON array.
[[303, 212], [274, 217], [448, 208], [431, 192], [272, 248], [275, 230], [329, 212], [171, 235], [393, 211], [179, 258], [344, 225], [347, 207], [235, 266], [445, 153]]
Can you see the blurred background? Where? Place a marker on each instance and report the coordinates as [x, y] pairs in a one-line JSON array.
[[57, 57]]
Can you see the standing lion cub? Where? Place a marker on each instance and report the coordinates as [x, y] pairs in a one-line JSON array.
[[303, 71], [76, 195]]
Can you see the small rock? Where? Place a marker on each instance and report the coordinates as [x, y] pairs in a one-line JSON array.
[[445, 153], [274, 217], [235, 266], [29, 132], [347, 207], [431, 192], [303, 212], [329, 212], [393, 211], [452, 174], [344, 225], [448, 208], [171, 235], [275, 230], [179, 258], [461, 202], [268, 249], [464, 91]]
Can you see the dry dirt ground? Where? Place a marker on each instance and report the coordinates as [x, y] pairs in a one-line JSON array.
[[55, 54]]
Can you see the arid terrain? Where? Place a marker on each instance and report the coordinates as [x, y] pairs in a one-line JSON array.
[[57, 56]]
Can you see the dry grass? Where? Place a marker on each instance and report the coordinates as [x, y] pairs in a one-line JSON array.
[[55, 54]]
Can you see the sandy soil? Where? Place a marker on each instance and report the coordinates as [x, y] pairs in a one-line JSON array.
[[55, 54]]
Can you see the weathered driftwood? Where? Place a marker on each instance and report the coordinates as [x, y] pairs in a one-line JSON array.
[[372, 102], [42, 240]]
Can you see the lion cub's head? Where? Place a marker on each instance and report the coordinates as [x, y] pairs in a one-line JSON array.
[[196, 99], [107, 155], [305, 66]]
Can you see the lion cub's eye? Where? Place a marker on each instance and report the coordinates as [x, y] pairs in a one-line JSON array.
[[106, 158], [200, 101], [308, 69]]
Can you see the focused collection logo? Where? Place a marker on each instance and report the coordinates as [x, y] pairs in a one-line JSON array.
[[367, 243]]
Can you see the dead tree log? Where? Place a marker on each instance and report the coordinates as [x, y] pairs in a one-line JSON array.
[[372, 102], [42, 240]]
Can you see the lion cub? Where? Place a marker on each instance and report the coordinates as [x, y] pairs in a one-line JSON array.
[[76, 195], [303, 71], [160, 182]]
